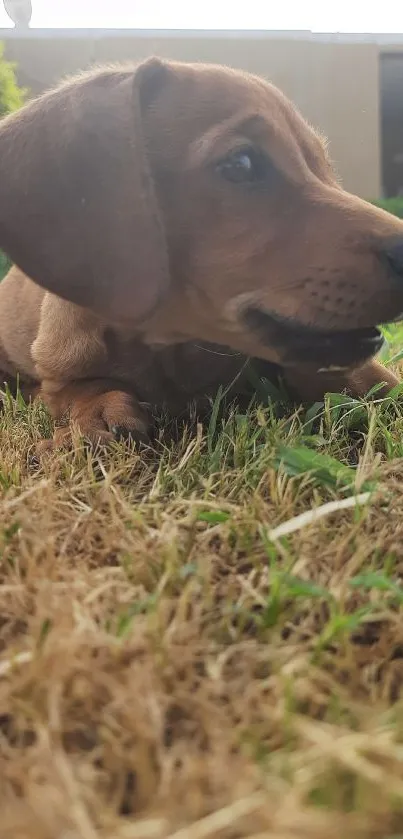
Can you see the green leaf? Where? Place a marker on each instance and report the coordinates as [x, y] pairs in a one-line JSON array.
[[305, 588], [326, 470], [213, 516], [140, 607], [376, 580]]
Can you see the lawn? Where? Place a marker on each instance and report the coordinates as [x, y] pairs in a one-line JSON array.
[[172, 664]]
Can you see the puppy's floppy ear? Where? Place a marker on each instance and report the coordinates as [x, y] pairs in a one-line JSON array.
[[78, 208]]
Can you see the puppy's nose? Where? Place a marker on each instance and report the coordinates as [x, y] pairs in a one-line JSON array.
[[393, 253]]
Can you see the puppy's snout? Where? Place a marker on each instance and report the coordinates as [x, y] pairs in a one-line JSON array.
[[393, 255]]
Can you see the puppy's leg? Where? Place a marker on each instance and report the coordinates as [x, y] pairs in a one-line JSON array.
[[69, 352], [100, 411], [15, 381], [310, 386]]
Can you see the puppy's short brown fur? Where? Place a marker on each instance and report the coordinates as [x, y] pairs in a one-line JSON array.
[[169, 221]]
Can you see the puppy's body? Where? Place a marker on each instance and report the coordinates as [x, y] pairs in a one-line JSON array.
[[183, 210], [104, 369], [88, 349]]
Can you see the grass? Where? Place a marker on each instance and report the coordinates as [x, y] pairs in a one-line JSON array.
[[205, 641], [170, 664]]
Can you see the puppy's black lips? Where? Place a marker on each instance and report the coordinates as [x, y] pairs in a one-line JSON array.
[[304, 344]]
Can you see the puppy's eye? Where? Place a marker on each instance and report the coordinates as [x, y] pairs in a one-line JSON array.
[[245, 166]]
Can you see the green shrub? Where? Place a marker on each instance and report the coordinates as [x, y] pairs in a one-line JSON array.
[[11, 95], [11, 98], [4, 265], [392, 205]]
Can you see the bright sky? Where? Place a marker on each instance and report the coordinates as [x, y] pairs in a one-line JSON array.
[[318, 15]]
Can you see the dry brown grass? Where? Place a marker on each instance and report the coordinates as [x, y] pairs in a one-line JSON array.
[[167, 670]]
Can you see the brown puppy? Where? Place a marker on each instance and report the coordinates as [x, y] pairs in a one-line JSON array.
[[176, 210]]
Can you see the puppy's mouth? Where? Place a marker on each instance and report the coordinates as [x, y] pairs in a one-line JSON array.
[[303, 344]]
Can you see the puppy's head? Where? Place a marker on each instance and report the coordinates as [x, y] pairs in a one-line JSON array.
[[193, 202]]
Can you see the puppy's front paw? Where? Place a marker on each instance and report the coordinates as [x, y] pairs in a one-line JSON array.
[[123, 418], [100, 420]]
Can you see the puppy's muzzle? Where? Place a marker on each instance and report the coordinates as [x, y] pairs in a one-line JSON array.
[[306, 345]]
